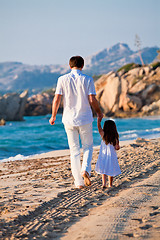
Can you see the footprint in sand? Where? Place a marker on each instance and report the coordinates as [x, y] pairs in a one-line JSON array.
[[145, 227], [128, 234], [154, 213], [154, 207], [137, 219]]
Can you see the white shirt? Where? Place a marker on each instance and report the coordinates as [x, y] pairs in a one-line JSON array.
[[75, 88]]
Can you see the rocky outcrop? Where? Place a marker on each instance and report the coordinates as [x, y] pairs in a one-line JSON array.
[[111, 92], [12, 106], [130, 94], [40, 104], [152, 109], [120, 94]]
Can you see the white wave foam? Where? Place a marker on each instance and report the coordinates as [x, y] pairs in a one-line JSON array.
[[17, 157], [143, 130], [129, 131], [131, 136], [154, 129]]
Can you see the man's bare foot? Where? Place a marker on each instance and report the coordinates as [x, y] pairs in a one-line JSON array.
[[87, 181]]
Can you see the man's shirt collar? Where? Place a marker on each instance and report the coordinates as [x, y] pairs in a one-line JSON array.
[[76, 71]]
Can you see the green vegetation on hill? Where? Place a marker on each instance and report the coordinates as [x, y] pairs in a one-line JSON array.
[[155, 65], [128, 67]]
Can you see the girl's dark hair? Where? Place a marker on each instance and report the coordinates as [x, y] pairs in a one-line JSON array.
[[76, 61], [110, 132]]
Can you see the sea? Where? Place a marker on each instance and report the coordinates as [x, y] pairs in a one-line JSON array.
[[22, 139]]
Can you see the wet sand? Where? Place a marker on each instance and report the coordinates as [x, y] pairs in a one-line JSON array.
[[38, 199]]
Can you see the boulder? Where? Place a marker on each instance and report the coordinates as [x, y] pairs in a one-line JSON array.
[[101, 82], [148, 91], [23, 100], [124, 85], [152, 73], [155, 106], [123, 102], [146, 70], [111, 93], [130, 103], [12, 106], [134, 72], [99, 94], [141, 72], [131, 80], [157, 70], [3, 107], [138, 87], [121, 72], [134, 102], [40, 104]]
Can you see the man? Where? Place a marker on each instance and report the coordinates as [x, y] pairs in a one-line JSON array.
[[78, 94]]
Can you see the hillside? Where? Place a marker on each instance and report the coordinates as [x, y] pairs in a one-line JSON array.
[[18, 76], [110, 59]]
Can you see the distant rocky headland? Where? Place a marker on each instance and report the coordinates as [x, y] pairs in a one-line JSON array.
[[16, 76], [132, 91]]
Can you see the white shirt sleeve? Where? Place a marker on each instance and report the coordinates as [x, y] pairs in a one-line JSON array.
[[91, 87], [59, 89]]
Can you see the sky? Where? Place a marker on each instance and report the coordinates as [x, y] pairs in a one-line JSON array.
[[43, 32]]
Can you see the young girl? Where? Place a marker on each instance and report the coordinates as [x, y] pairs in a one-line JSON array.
[[107, 163]]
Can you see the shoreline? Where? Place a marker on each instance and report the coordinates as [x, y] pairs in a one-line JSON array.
[[38, 198], [66, 152], [14, 147], [57, 153]]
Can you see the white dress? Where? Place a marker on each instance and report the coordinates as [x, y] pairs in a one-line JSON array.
[[107, 162]]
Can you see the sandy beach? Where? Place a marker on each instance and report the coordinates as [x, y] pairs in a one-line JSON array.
[[38, 199]]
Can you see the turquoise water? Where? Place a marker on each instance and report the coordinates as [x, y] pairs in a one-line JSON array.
[[35, 135]]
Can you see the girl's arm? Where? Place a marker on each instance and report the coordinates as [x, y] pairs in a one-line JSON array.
[[101, 132], [117, 147]]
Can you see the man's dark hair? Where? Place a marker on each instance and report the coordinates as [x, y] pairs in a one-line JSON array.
[[76, 61]]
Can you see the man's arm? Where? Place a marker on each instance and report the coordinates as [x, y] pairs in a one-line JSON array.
[[95, 105], [55, 106]]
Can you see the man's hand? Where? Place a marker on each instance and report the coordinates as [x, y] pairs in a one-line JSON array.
[[52, 120], [55, 106]]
